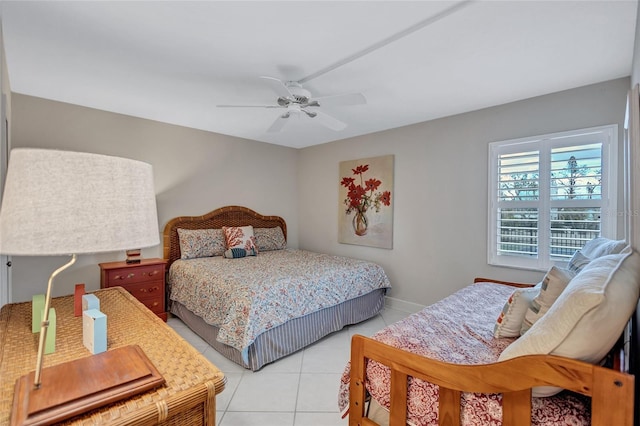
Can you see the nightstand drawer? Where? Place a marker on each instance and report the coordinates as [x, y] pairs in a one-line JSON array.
[[144, 280], [146, 290], [154, 303], [125, 276]]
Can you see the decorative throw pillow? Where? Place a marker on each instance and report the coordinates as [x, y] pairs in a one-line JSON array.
[[589, 316], [240, 237], [270, 238], [235, 253], [577, 262], [555, 280], [510, 320], [200, 243]]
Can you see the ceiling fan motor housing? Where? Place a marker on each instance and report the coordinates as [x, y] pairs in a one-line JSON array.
[[300, 94]]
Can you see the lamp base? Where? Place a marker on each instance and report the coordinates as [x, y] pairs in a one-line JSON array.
[[133, 256], [74, 387]]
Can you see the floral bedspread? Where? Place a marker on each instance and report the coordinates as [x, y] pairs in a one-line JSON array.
[[459, 329], [245, 297]]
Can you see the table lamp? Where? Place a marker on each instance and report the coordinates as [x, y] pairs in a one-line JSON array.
[[70, 203]]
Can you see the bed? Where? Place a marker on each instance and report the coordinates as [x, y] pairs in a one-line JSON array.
[[257, 309], [445, 365]]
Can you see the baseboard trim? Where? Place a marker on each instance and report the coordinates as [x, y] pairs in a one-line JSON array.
[[402, 305]]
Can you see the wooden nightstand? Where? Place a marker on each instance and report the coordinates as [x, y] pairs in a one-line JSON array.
[[144, 280]]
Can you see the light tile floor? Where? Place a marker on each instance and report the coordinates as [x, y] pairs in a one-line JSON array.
[[298, 390]]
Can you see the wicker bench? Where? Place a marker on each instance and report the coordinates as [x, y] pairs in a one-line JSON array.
[[192, 382]]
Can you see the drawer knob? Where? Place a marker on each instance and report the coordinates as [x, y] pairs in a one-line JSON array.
[[150, 289], [122, 277], [152, 273]]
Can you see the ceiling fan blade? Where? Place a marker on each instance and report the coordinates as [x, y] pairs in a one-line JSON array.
[[249, 106], [341, 100], [279, 123], [278, 86], [329, 121]]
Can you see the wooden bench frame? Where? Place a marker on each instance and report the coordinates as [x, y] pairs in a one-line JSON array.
[[612, 391]]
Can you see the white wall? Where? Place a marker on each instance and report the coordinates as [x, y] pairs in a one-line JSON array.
[[440, 187], [195, 172]]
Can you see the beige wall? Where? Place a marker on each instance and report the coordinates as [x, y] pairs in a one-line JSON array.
[[439, 198], [440, 194], [635, 72], [5, 117], [194, 171]]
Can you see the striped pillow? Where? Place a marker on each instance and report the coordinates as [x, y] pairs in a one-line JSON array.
[[510, 320], [236, 253]]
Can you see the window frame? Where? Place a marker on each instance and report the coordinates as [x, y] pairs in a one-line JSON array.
[[544, 144]]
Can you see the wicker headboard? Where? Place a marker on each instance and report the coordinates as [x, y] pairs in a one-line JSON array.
[[224, 216]]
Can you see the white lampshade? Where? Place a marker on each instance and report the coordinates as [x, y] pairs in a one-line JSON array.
[[62, 203]]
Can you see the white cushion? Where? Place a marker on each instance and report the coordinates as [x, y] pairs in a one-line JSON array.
[[593, 249], [601, 246], [510, 319], [589, 316], [554, 281]]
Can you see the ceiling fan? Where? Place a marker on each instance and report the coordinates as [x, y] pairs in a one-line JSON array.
[[296, 100]]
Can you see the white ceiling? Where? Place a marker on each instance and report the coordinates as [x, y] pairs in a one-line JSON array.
[[175, 61]]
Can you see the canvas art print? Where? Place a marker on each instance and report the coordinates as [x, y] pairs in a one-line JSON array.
[[365, 203]]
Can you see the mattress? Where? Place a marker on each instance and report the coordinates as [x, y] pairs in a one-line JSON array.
[[459, 329], [245, 298]]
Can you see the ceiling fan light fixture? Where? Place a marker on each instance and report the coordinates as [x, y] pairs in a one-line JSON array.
[[294, 108]]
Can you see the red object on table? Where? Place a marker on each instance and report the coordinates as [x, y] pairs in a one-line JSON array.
[[77, 300]]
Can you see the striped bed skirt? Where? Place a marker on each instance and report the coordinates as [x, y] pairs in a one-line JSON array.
[[291, 336]]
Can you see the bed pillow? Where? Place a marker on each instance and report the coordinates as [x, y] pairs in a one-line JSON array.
[[510, 319], [240, 237], [200, 243], [554, 281], [270, 238], [588, 317]]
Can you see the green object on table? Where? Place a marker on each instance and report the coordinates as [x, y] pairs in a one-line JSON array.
[[36, 312]]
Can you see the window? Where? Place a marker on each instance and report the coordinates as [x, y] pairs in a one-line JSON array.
[[551, 194]]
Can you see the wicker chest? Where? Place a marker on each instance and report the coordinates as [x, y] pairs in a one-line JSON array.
[[192, 382]]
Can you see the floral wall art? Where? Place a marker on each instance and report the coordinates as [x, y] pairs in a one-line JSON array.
[[366, 210]]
